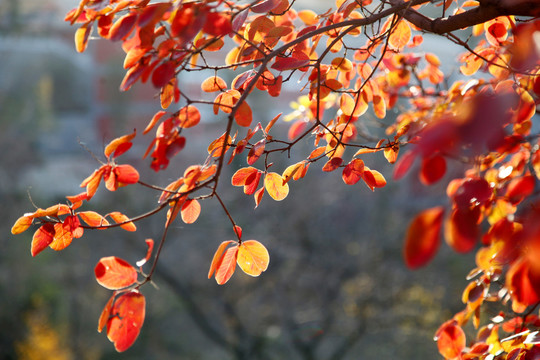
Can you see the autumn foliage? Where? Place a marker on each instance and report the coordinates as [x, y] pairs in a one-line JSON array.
[[358, 60]]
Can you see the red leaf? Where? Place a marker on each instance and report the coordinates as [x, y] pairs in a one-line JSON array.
[[520, 187], [297, 129], [127, 318], [217, 24], [114, 273], [289, 63], [373, 178], [122, 27], [462, 230], [42, 238], [126, 174], [433, 169], [450, 340], [265, 6], [240, 176], [471, 192], [191, 209], [353, 172], [404, 164], [163, 74], [423, 237], [332, 164]]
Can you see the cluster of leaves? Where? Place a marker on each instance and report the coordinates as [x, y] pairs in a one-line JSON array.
[[353, 62]]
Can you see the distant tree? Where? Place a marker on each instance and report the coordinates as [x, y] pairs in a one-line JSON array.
[[349, 63]]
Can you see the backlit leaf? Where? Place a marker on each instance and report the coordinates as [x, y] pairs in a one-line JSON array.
[[191, 209], [105, 314], [423, 237], [401, 35], [114, 273], [461, 229], [253, 258], [226, 265], [332, 164], [276, 188], [114, 145], [163, 74], [450, 340], [218, 255], [118, 218], [126, 320], [122, 27], [154, 121], [150, 248], [213, 84], [256, 151], [81, 37], [353, 172], [289, 63], [188, 116], [373, 178], [92, 218], [243, 115], [42, 238], [22, 224]]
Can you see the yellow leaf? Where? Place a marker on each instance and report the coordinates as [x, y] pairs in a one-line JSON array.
[[253, 257], [274, 184]]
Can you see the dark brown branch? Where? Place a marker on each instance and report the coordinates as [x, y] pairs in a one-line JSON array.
[[488, 10]]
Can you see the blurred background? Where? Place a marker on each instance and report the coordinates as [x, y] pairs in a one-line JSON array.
[[336, 287]]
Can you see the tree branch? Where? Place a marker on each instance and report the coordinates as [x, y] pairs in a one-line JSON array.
[[488, 10]]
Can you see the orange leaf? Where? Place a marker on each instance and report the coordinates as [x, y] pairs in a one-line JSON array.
[[42, 238], [373, 178], [289, 63], [309, 17], [253, 258], [240, 176], [126, 174], [105, 314], [188, 116], [450, 340], [256, 151], [118, 218], [126, 321], [22, 224], [258, 196], [150, 245], [191, 209], [119, 145], [218, 255], [271, 123], [213, 84], [423, 237], [92, 182], [154, 121], [296, 129], [274, 184], [226, 265], [332, 164], [353, 172], [400, 36], [62, 237], [291, 171], [114, 273], [219, 146], [92, 218], [317, 152], [81, 37], [243, 115]]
